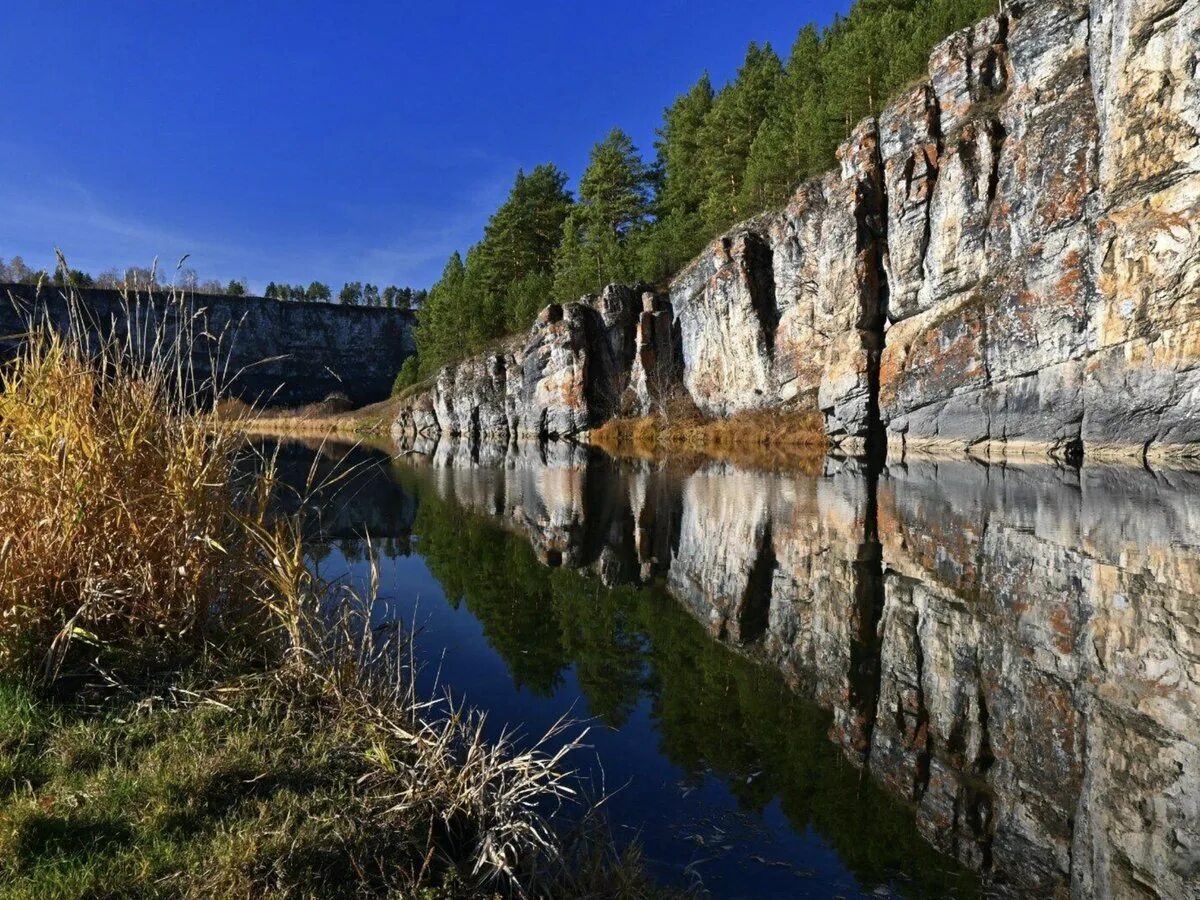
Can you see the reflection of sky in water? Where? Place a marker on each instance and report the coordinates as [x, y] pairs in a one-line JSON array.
[[801, 685]]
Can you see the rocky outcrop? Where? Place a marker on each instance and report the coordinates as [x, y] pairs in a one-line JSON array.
[[572, 372], [656, 361], [1004, 261]]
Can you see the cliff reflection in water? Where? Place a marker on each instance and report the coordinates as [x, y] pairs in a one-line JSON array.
[[1010, 653]]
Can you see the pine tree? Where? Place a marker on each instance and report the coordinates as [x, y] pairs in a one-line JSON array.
[[318, 292], [614, 203], [791, 143], [516, 256], [729, 132], [522, 235], [678, 231], [442, 324], [351, 293]]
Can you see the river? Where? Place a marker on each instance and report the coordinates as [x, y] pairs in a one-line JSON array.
[[941, 678]]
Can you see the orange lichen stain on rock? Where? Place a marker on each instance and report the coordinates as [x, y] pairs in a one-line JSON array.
[[1019, 314], [1070, 285], [955, 360], [1067, 192], [932, 154], [889, 524], [571, 392], [889, 389], [1064, 629]]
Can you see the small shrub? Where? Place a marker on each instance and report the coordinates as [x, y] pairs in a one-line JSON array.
[[336, 402], [408, 375]]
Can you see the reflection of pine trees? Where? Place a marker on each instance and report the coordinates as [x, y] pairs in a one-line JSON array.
[[318, 551], [353, 550], [716, 711], [394, 547], [502, 585], [356, 550], [601, 637]]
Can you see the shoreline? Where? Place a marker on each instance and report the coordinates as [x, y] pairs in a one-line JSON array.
[[759, 439]]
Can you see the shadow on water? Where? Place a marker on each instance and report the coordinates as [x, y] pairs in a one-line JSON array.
[[924, 680]]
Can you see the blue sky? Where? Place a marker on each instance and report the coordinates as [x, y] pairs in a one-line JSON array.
[[331, 141]]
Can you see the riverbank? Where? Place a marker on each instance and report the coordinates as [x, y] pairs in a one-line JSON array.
[[185, 704], [329, 417], [293, 782]]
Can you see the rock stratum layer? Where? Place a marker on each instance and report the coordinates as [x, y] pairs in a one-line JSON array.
[[1006, 260]]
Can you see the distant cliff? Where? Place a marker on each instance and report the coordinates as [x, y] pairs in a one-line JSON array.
[[267, 351], [1007, 260]]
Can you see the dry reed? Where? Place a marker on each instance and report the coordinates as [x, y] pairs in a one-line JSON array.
[[117, 502]]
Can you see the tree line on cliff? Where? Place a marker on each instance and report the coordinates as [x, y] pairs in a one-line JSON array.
[[721, 155], [353, 293]]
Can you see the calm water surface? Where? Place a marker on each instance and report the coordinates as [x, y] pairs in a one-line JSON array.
[[941, 679]]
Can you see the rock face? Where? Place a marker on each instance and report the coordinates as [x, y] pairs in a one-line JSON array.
[[571, 373], [266, 352], [1005, 261]]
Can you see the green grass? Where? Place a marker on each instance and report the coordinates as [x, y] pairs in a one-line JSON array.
[[273, 785]]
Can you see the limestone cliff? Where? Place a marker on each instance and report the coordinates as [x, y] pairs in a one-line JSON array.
[[571, 373], [1005, 260], [261, 351]]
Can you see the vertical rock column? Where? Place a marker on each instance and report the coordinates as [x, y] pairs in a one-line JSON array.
[[655, 371], [855, 287]]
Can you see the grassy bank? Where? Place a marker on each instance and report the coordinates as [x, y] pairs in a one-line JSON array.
[[186, 710], [761, 439], [292, 782], [332, 416]]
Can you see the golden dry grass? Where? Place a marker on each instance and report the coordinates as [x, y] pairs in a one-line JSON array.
[[759, 439], [119, 519], [315, 418], [298, 762]]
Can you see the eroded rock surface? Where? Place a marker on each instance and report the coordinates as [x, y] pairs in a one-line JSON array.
[[572, 372], [1005, 261]]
